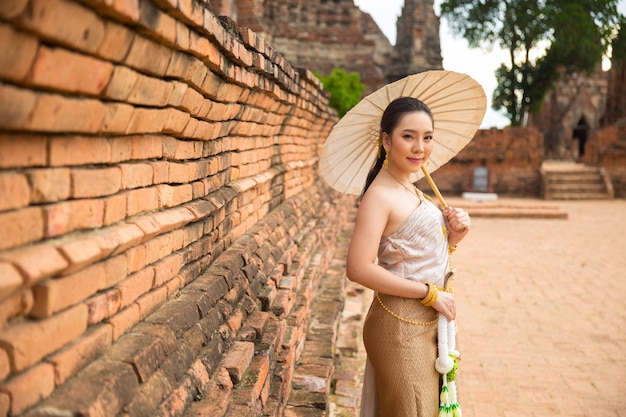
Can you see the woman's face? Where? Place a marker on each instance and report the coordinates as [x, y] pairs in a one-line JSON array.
[[410, 143]]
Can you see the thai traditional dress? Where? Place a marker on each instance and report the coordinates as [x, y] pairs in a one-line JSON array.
[[400, 334]]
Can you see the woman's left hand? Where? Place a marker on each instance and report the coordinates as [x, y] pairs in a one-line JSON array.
[[458, 223]]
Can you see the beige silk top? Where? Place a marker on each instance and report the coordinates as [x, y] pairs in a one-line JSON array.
[[418, 250]]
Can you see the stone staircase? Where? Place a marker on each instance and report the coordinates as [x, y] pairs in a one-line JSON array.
[[562, 180]]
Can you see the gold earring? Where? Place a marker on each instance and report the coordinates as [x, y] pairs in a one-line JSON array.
[[385, 162]]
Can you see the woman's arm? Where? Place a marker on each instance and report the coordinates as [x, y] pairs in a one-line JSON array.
[[371, 220]]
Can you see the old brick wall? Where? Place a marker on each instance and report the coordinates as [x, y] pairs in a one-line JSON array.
[[513, 157], [163, 226], [607, 149]]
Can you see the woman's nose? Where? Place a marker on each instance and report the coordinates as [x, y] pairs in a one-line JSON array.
[[418, 146]]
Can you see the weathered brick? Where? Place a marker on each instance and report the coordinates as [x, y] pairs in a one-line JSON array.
[[141, 200], [195, 338], [237, 360], [136, 175], [216, 399], [148, 303], [142, 53], [158, 248], [149, 91], [37, 262], [123, 235], [146, 120], [178, 399], [18, 54], [89, 183], [78, 74], [173, 219], [116, 119], [67, 22], [178, 149], [49, 184], [124, 320], [199, 375], [177, 314], [101, 389], [312, 377], [73, 215], [16, 106], [17, 150], [28, 342], [145, 352], [17, 304], [11, 280], [29, 387], [148, 225], [160, 23], [171, 196], [116, 42], [114, 209], [254, 380], [167, 268], [136, 258], [149, 395], [176, 121], [56, 113], [103, 305], [80, 352], [121, 148], [15, 191], [54, 295], [135, 285], [192, 101], [115, 270], [22, 226], [182, 35], [79, 150], [81, 251], [146, 147], [121, 83]]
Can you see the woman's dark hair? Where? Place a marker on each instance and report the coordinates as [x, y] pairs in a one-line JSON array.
[[388, 122]]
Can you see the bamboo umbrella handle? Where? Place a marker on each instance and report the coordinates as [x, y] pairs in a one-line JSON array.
[[433, 186]]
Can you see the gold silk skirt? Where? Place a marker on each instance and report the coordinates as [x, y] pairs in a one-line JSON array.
[[402, 356]]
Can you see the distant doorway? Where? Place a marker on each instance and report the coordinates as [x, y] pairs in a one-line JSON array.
[[580, 134]]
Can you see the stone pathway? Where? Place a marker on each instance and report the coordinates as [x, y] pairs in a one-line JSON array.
[[541, 316]]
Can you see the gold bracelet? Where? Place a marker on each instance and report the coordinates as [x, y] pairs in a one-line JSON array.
[[451, 249], [431, 296]]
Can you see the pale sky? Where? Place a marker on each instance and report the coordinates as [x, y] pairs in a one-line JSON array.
[[455, 53]]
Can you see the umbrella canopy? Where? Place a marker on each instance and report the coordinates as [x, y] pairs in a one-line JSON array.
[[458, 104]]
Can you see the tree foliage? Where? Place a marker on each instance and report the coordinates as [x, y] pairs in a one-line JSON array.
[[345, 89], [542, 37]]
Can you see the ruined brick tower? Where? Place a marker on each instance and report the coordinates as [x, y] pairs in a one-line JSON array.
[[322, 34], [417, 47]]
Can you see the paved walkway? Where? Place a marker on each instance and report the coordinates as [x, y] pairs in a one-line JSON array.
[[541, 316]]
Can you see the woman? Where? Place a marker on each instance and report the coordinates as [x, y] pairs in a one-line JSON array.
[[400, 249]]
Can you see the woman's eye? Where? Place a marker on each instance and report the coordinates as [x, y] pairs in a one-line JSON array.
[[428, 138]]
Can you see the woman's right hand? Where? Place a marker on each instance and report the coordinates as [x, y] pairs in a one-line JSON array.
[[445, 305]]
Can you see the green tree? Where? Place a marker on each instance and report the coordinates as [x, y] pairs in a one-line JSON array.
[[345, 89], [542, 37]]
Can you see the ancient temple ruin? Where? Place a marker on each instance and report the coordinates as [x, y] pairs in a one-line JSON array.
[[322, 35]]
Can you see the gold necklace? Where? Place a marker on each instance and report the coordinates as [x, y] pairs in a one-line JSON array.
[[417, 191]]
